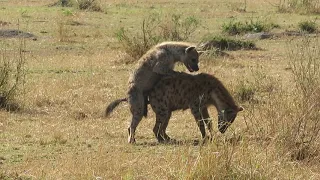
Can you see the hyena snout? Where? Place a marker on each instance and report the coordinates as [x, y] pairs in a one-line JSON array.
[[226, 118], [223, 126], [195, 67], [191, 60], [192, 66]]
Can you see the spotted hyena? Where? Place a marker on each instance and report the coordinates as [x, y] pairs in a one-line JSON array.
[[194, 92], [152, 66]]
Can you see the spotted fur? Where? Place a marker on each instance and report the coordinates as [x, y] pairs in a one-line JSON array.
[[155, 64], [194, 92]]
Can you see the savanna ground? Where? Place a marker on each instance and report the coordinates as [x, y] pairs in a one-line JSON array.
[[77, 65]]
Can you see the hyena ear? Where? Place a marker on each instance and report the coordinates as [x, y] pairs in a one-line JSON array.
[[240, 108], [190, 48], [200, 52]]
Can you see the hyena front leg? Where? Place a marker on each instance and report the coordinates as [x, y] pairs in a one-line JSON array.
[[164, 128], [207, 120], [201, 116], [162, 119]]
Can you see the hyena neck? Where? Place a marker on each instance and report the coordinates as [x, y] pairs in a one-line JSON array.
[[222, 99]]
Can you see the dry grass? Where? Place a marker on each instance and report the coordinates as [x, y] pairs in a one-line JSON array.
[[60, 132]]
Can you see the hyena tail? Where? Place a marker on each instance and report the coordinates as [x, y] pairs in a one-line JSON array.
[[113, 105]]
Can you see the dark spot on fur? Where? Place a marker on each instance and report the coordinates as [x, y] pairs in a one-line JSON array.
[[159, 100], [184, 86]]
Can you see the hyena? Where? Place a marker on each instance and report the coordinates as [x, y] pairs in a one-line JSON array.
[[194, 92], [152, 66]]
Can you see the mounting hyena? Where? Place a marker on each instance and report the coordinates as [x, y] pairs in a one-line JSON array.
[[195, 92], [152, 66]]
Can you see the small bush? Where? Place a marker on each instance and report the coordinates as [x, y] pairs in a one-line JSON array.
[[239, 6], [225, 43], [244, 92], [305, 65], [226, 159], [136, 45], [64, 30], [257, 88], [179, 28], [305, 129], [12, 73], [154, 30], [91, 5], [308, 26], [237, 27], [63, 3]]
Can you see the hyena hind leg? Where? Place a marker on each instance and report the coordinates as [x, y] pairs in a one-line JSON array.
[[137, 105]]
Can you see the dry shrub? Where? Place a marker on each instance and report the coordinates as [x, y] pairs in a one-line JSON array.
[[65, 21], [12, 76], [91, 5], [291, 117], [156, 29], [283, 122], [260, 87], [305, 64], [227, 160], [281, 125], [308, 26]]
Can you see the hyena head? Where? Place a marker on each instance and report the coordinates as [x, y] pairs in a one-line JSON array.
[[191, 59], [226, 107], [226, 118]]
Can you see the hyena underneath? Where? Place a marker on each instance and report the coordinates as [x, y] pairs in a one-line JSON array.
[[156, 63], [194, 92]]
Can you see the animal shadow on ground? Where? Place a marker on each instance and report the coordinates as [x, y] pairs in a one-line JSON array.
[[194, 142]]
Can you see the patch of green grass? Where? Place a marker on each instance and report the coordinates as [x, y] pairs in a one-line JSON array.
[[67, 12], [237, 27], [225, 43], [308, 26]]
